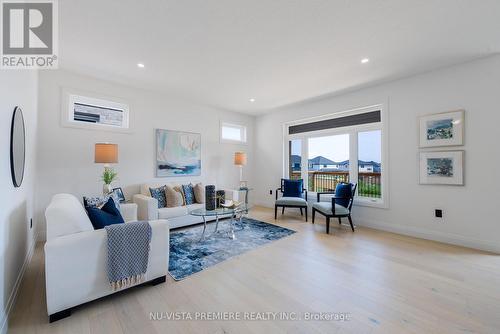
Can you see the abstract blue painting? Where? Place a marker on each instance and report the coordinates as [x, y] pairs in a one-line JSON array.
[[177, 153]]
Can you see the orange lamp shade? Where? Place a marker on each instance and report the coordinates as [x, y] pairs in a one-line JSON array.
[[106, 153], [240, 158]]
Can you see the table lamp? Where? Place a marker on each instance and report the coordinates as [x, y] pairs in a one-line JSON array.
[[107, 154], [240, 160]]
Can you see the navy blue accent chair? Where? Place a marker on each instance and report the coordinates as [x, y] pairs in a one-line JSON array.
[[294, 195], [340, 205]]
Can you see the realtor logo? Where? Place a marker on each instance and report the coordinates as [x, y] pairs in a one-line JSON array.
[[29, 34]]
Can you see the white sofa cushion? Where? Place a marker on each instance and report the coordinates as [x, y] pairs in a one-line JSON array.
[[66, 215], [195, 206], [165, 213]]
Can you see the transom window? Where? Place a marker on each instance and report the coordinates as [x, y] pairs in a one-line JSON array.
[[234, 133], [94, 113], [344, 147]]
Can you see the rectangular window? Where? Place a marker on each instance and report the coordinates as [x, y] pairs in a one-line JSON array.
[[233, 133], [295, 159], [328, 162], [346, 148], [370, 164], [93, 113]]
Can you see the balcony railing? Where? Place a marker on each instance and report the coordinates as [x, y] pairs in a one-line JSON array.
[[369, 184]]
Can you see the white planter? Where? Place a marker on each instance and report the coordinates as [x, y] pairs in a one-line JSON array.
[[107, 189]]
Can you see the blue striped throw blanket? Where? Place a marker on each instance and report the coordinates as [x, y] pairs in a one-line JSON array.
[[128, 253]]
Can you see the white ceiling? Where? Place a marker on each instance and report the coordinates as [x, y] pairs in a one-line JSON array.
[[224, 52]]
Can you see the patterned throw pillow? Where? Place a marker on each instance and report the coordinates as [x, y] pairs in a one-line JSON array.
[[159, 194], [181, 194], [187, 189], [98, 202], [199, 193], [174, 198]]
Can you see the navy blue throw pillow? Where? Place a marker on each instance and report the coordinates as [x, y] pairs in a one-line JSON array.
[[159, 194], [107, 215], [292, 188], [188, 191], [343, 190]]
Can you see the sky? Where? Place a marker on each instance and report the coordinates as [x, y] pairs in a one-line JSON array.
[[336, 148]]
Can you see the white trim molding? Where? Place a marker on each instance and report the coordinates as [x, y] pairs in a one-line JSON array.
[[15, 289], [447, 238]]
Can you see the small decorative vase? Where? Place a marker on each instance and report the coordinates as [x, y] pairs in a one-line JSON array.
[[221, 197], [107, 189], [210, 197]]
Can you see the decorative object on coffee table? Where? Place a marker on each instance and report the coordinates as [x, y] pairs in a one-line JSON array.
[[220, 198], [106, 154], [210, 197]]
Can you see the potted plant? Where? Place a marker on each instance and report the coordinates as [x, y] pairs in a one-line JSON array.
[[108, 176]]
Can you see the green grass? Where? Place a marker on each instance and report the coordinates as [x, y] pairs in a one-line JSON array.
[[364, 189], [369, 190]]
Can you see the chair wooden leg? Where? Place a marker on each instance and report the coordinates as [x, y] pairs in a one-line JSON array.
[[327, 225], [350, 222], [306, 212], [275, 212], [314, 214], [301, 213], [340, 221], [283, 211]]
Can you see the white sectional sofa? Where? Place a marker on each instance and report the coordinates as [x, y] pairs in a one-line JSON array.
[[76, 256], [147, 207]]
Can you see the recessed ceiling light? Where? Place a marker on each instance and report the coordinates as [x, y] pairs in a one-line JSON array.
[[140, 65], [365, 60], [252, 100]]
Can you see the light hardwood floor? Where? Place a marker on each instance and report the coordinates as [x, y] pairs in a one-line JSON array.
[[388, 283]]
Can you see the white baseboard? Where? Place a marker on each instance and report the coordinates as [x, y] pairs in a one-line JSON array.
[[14, 293], [41, 236], [448, 238]]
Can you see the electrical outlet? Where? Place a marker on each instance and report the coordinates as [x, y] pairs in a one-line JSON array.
[[31, 223], [438, 213], [270, 191]]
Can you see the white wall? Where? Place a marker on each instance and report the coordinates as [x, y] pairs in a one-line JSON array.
[[17, 88], [66, 155], [470, 212]]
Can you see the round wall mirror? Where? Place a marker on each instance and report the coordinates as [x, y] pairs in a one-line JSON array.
[[17, 147]]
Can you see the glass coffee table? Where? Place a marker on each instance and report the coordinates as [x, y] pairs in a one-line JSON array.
[[234, 214]]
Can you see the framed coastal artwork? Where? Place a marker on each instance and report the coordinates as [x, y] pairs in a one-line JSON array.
[[446, 167], [443, 129], [177, 153]]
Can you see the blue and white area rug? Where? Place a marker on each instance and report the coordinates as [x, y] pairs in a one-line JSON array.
[[189, 255]]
